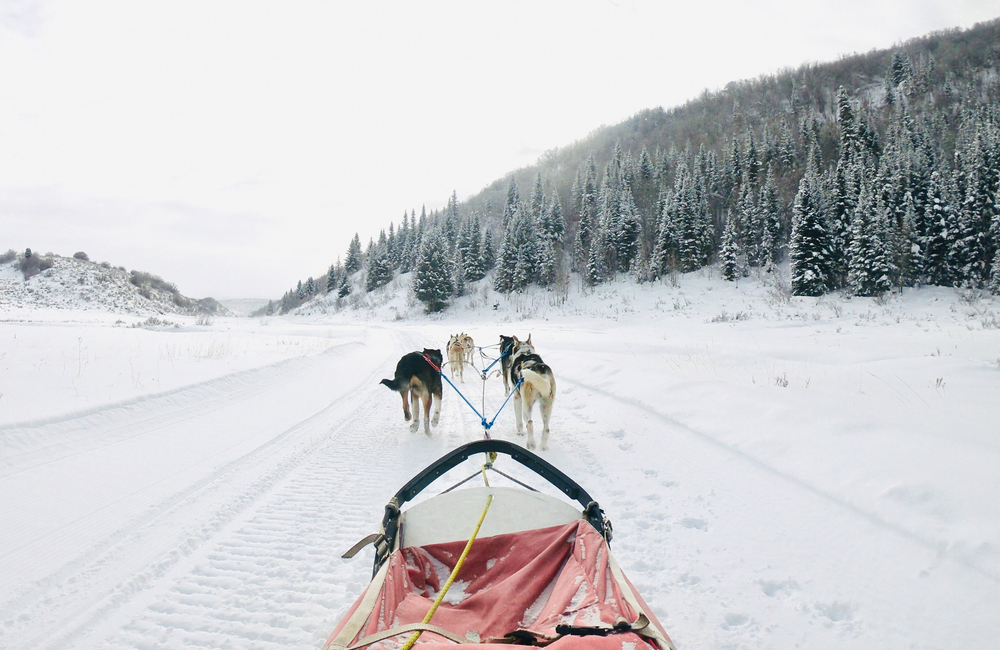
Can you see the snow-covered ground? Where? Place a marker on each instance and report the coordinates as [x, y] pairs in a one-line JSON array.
[[781, 472]]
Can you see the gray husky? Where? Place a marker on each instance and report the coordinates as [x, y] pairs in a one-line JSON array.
[[536, 383]]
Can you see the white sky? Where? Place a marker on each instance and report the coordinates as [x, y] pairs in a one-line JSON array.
[[234, 147]]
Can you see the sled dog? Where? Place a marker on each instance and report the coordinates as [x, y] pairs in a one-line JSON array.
[[416, 379], [469, 346], [506, 350], [536, 383], [456, 357]]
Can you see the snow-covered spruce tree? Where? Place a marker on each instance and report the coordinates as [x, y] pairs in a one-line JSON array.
[[771, 236], [554, 223], [595, 272], [345, 285], [843, 200], [378, 271], [809, 248], [869, 259], [537, 201], [665, 248], [310, 288], [487, 255], [470, 250], [331, 279], [937, 241], [451, 220], [353, 261], [588, 215], [625, 238], [433, 277], [503, 279], [748, 229], [511, 205], [730, 254], [546, 254], [300, 291]]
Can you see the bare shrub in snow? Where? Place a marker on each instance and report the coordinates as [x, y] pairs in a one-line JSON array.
[[80, 255], [9, 256], [32, 265]]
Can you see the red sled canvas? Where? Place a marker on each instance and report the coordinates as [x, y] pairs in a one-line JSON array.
[[537, 572]]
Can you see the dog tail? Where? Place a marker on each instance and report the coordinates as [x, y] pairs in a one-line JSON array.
[[542, 381], [393, 384]]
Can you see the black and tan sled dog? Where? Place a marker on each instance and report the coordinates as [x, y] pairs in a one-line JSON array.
[[416, 379], [537, 383]]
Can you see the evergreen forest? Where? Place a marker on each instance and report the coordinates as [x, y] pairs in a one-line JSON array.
[[868, 174]]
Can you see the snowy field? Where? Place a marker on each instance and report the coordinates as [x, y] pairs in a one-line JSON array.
[[780, 472]]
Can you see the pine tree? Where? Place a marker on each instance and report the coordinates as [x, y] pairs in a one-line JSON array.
[[331, 278], [433, 282], [310, 288], [809, 248], [770, 241], [378, 272], [511, 205], [870, 266], [936, 242], [626, 235], [451, 220], [595, 272], [730, 255], [300, 291], [588, 214], [353, 261], [843, 201], [537, 197], [503, 279], [345, 285]]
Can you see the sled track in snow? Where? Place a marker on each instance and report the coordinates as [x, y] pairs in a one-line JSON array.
[[105, 577], [178, 405], [872, 518]]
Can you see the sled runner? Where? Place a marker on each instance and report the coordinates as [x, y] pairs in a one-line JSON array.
[[487, 567]]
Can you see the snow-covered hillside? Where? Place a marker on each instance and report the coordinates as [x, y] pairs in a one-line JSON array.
[[78, 284], [781, 472]]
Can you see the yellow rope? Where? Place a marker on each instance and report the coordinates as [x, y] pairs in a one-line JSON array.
[[485, 480], [451, 578]]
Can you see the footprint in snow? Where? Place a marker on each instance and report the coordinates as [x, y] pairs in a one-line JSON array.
[[697, 524], [735, 621], [772, 588], [836, 611]]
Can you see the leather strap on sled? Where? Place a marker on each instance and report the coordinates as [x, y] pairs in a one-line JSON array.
[[403, 629]]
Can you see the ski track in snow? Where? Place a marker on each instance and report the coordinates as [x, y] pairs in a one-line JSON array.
[[214, 515]]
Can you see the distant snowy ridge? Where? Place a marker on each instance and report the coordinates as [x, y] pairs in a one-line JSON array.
[[71, 283]]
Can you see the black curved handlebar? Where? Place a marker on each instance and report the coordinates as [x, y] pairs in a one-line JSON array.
[[390, 521], [543, 468]]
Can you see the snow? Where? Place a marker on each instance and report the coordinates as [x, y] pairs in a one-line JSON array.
[[779, 471]]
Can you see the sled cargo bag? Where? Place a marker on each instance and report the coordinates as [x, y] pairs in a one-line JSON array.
[[554, 585]]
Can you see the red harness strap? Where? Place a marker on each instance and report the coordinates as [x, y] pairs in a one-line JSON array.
[[432, 364]]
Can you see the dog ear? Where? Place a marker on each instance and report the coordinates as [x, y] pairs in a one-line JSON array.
[[529, 339]]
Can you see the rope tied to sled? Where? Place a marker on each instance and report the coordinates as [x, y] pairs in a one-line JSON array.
[[454, 573], [486, 424]]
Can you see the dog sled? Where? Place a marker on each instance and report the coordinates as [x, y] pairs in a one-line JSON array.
[[491, 567]]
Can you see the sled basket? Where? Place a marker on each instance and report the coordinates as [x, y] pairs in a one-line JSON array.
[[540, 572]]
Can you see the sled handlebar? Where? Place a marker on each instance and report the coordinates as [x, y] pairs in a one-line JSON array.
[[539, 466]]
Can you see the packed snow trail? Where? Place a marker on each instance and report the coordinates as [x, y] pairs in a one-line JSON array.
[[215, 516]]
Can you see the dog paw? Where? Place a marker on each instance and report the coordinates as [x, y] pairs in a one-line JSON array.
[[414, 427], [406, 417]]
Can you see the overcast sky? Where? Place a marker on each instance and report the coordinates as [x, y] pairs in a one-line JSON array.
[[235, 147]]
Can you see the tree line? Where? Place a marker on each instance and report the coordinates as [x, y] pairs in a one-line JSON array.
[[887, 181]]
